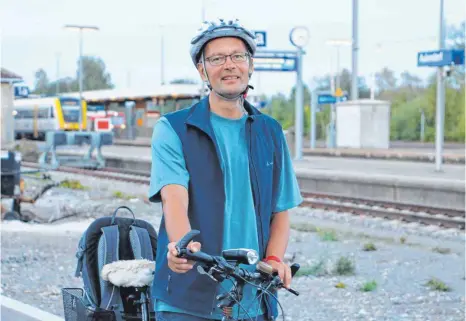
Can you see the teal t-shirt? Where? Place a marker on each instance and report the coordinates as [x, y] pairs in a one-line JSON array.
[[240, 229]]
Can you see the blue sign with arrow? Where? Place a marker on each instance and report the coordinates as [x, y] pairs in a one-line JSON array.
[[325, 99]]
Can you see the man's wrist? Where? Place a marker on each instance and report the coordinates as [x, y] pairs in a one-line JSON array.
[[273, 258]]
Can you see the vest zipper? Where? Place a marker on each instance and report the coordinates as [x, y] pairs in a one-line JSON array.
[[258, 190], [169, 281]]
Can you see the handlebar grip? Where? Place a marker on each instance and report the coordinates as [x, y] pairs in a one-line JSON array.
[[293, 291], [294, 268], [198, 257], [187, 238]]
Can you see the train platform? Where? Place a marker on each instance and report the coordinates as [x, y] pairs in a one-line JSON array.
[[13, 310], [405, 182], [453, 153]]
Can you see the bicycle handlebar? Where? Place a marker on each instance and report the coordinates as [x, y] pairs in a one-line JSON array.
[[265, 271]]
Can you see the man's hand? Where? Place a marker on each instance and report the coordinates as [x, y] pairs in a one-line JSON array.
[[284, 271], [178, 264]]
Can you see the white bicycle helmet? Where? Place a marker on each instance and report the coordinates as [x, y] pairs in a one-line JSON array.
[[218, 29]]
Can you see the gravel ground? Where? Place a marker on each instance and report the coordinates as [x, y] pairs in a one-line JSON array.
[[38, 259]]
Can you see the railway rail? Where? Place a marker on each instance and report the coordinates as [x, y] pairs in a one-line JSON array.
[[443, 217]]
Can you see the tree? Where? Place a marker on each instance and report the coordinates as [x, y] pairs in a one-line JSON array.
[[324, 83], [456, 40], [41, 82], [385, 80], [410, 81], [65, 85], [95, 75]]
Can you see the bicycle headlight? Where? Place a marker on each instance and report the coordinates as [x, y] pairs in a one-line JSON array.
[[241, 256], [252, 256]]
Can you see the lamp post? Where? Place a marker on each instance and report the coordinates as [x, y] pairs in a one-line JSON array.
[[338, 43], [355, 48], [378, 50], [81, 28], [299, 37], [440, 107], [332, 130]]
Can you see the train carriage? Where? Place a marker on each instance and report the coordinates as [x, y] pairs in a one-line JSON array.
[[35, 116]]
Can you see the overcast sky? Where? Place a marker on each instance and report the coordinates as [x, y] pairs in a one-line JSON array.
[[32, 36]]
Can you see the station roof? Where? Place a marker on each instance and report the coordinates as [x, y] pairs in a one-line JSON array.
[[7, 76], [178, 91]]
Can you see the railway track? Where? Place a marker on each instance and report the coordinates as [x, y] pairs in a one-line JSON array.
[[443, 217]]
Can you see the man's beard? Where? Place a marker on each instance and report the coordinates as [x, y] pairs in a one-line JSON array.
[[231, 95]]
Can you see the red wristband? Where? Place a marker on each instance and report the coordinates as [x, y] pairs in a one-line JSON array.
[[273, 258]]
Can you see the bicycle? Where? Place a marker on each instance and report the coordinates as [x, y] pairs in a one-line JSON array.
[[218, 268]]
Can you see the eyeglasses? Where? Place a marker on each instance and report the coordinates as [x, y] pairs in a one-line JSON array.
[[221, 59]]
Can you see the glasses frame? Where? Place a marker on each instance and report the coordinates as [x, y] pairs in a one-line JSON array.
[[246, 54]]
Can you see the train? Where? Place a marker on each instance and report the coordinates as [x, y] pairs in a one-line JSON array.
[[33, 117]]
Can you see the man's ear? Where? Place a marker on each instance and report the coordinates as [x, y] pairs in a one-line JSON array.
[[200, 69], [251, 65]]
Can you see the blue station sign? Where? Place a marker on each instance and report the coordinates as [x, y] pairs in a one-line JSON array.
[[275, 61], [440, 58], [325, 99]]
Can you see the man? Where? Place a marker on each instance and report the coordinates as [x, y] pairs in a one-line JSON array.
[[223, 168]]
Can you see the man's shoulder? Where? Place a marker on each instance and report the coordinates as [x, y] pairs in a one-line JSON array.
[[181, 114]]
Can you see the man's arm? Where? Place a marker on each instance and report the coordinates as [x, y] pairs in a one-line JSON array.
[[279, 234], [175, 208], [169, 185]]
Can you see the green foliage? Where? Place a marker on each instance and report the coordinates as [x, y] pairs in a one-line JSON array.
[[95, 77], [316, 269], [369, 286], [369, 247], [327, 235], [73, 184], [437, 285], [407, 93], [344, 266]]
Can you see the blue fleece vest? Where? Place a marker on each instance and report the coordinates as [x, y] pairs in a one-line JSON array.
[[192, 291]]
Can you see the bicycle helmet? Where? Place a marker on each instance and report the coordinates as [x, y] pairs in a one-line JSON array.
[[219, 29]]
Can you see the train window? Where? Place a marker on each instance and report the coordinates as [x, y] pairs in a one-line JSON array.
[[71, 115], [43, 113], [24, 114]]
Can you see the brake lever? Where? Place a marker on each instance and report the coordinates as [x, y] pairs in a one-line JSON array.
[[201, 270]]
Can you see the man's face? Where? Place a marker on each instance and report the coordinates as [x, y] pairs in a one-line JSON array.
[[230, 78]]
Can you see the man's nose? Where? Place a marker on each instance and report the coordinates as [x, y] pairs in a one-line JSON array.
[[229, 64]]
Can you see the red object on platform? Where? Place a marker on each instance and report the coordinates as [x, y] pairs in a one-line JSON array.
[[102, 124]]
